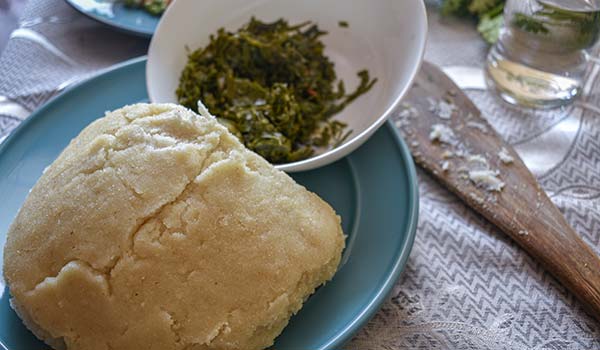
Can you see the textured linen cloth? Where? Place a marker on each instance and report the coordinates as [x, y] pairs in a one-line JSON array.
[[466, 285]]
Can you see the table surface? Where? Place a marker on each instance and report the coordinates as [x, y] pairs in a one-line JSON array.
[[466, 285]]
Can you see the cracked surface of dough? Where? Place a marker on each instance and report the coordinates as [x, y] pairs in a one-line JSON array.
[[156, 229]]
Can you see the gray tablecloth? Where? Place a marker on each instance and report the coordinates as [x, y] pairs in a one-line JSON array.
[[466, 285]]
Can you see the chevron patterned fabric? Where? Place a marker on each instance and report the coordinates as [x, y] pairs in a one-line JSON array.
[[466, 286]]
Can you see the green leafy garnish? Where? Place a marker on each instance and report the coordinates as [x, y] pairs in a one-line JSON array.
[[529, 24], [487, 12], [584, 26], [154, 7], [490, 24], [343, 24], [272, 86]]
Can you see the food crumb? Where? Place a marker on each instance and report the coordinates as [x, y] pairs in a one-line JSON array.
[[441, 108], [401, 123], [343, 24], [447, 154], [408, 111], [442, 133], [523, 232], [477, 160], [479, 126], [505, 157], [487, 179], [445, 165], [476, 198]]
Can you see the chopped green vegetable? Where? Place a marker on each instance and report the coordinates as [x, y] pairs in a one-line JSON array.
[[272, 86], [456, 7], [586, 25], [343, 24], [490, 24], [489, 28], [529, 24], [484, 7], [154, 7], [487, 12], [583, 27]]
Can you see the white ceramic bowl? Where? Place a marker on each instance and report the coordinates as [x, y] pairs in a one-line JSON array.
[[387, 37]]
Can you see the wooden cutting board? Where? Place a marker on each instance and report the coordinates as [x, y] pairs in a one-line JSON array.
[[450, 139]]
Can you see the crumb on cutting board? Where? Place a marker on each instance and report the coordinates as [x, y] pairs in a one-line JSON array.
[[479, 126], [441, 108], [505, 157], [487, 179], [443, 134]]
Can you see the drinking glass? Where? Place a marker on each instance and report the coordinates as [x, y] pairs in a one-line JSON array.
[[540, 57]]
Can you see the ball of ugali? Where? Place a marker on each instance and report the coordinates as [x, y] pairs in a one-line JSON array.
[[156, 229]]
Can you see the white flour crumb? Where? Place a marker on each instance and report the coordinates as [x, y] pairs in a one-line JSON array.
[[487, 179], [505, 157], [476, 198], [477, 162], [401, 123], [408, 111], [441, 108], [442, 133], [479, 126], [432, 104], [447, 154], [445, 110], [523, 232], [445, 165]]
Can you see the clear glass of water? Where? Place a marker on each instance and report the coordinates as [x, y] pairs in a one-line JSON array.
[[540, 58]]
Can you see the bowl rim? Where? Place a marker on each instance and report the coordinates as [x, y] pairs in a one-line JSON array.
[[348, 147]]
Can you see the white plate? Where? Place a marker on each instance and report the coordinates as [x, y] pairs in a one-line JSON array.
[[387, 37]]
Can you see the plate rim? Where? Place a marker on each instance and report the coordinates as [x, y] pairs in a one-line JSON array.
[[113, 24], [400, 259]]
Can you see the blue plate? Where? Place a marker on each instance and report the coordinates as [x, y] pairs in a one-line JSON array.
[[115, 14], [374, 190]]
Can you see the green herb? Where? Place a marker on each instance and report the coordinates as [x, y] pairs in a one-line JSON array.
[[585, 25], [343, 24], [272, 86], [490, 24], [529, 24], [487, 12], [154, 7]]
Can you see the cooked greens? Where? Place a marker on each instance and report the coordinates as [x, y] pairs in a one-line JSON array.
[[487, 12], [272, 86], [154, 7]]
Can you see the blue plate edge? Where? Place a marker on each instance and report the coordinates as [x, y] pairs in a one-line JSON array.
[[413, 217], [400, 260], [117, 26], [50, 102]]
